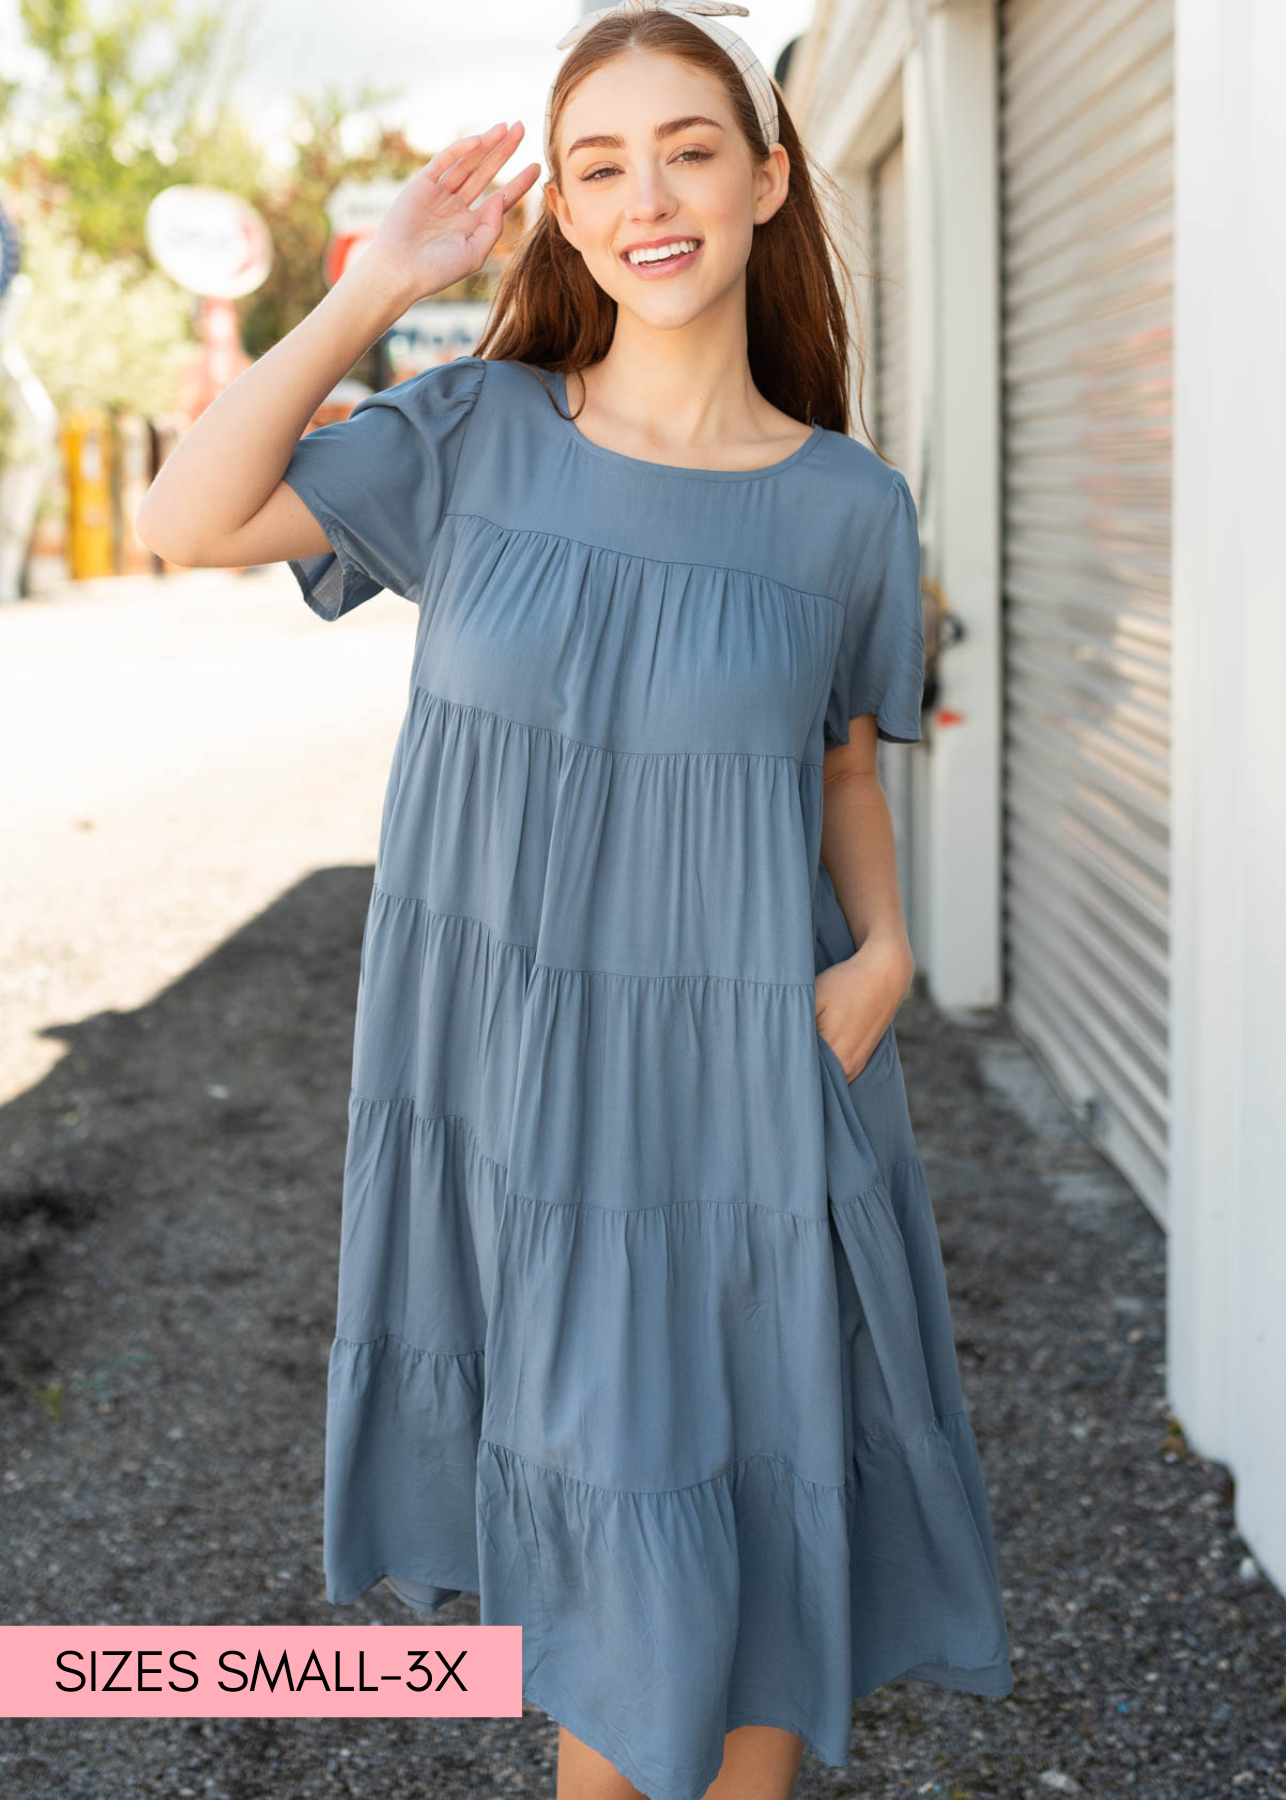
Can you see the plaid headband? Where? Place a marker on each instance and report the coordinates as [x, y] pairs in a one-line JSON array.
[[748, 65]]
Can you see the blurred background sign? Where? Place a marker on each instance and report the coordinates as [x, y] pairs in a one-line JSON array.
[[210, 241], [217, 246], [431, 331], [434, 331], [355, 209]]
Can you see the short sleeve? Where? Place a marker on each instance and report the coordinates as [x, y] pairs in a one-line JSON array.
[[880, 665], [379, 484]]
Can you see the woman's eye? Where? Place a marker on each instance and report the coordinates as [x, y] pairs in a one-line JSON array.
[[611, 169]]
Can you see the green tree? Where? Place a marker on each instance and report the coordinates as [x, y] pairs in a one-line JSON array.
[[133, 97], [292, 203], [136, 96], [100, 331]]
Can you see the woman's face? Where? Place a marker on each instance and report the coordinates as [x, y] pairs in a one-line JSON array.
[[697, 184]]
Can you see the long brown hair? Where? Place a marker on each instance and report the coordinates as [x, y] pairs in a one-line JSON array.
[[548, 309]]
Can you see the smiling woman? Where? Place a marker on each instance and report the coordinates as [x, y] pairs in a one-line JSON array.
[[642, 1330], [713, 1578]]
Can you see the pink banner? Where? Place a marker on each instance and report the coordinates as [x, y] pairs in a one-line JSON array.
[[261, 1671]]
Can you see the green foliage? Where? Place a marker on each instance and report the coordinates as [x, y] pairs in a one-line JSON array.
[[134, 96], [100, 331], [132, 99], [292, 203]]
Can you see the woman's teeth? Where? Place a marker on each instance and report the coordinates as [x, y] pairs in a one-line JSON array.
[[666, 251]]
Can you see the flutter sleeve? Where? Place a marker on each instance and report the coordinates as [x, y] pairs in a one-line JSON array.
[[880, 665], [379, 483]]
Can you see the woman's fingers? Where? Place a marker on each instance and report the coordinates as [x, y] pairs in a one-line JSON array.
[[486, 230], [456, 159], [515, 189], [466, 177], [490, 215], [491, 158], [512, 191]]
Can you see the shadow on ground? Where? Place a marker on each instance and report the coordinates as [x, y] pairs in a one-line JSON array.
[[169, 1221]]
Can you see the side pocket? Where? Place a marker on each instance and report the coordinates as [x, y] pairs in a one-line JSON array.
[[874, 1062]]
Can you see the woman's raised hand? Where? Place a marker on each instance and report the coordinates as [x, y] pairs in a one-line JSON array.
[[431, 236]]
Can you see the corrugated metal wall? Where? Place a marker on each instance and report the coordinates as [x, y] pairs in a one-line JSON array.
[[1086, 156]]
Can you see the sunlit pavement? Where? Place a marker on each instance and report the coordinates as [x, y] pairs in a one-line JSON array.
[[177, 751]]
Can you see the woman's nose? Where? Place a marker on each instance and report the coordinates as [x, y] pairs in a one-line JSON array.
[[651, 198]]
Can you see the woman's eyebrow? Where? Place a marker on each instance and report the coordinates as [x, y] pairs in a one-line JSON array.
[[604, 140]]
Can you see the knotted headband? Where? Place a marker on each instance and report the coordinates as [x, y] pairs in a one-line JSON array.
[[698, 13]]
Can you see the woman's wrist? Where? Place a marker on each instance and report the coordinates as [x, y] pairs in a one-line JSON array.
[[384, 289], [888, 955], [859, 996]]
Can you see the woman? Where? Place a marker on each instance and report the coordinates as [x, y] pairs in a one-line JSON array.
[[643, 1333]]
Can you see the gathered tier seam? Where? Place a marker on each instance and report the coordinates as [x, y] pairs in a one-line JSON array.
[[487, 712], [418, 1351], [721, 1474], [564, 969], [423, 1118], [668, 562]]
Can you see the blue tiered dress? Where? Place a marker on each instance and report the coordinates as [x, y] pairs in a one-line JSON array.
[[643, 1332]]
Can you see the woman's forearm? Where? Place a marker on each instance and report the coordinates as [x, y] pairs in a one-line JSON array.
[[232, 458], [859, 853]]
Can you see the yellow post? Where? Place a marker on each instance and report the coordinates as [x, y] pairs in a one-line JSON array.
[[86, 445]]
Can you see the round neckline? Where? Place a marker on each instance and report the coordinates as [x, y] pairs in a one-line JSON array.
[[641, 462]]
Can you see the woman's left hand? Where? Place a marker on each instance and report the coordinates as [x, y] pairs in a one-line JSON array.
[[857, 999]]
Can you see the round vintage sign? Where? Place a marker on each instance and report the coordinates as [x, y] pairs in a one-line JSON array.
[[209, 240]]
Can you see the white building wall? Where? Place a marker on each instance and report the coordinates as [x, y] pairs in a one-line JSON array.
[[932, 66], [950, 131], [875, 67], [1227, 1239]]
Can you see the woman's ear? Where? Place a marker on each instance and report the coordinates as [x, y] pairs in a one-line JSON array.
[[558, 207], [772, 183]]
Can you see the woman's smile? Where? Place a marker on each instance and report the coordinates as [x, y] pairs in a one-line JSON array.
[[669, 258]]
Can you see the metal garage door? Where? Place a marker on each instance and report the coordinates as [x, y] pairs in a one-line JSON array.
[[1086, 124]]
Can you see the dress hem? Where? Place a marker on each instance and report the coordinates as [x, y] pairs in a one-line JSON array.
[[983, 1681], [624, 1764]]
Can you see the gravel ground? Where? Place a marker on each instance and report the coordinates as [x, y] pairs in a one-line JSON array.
[[169, 1206]]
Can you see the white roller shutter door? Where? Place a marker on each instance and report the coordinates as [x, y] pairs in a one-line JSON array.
[[1086, 155]]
